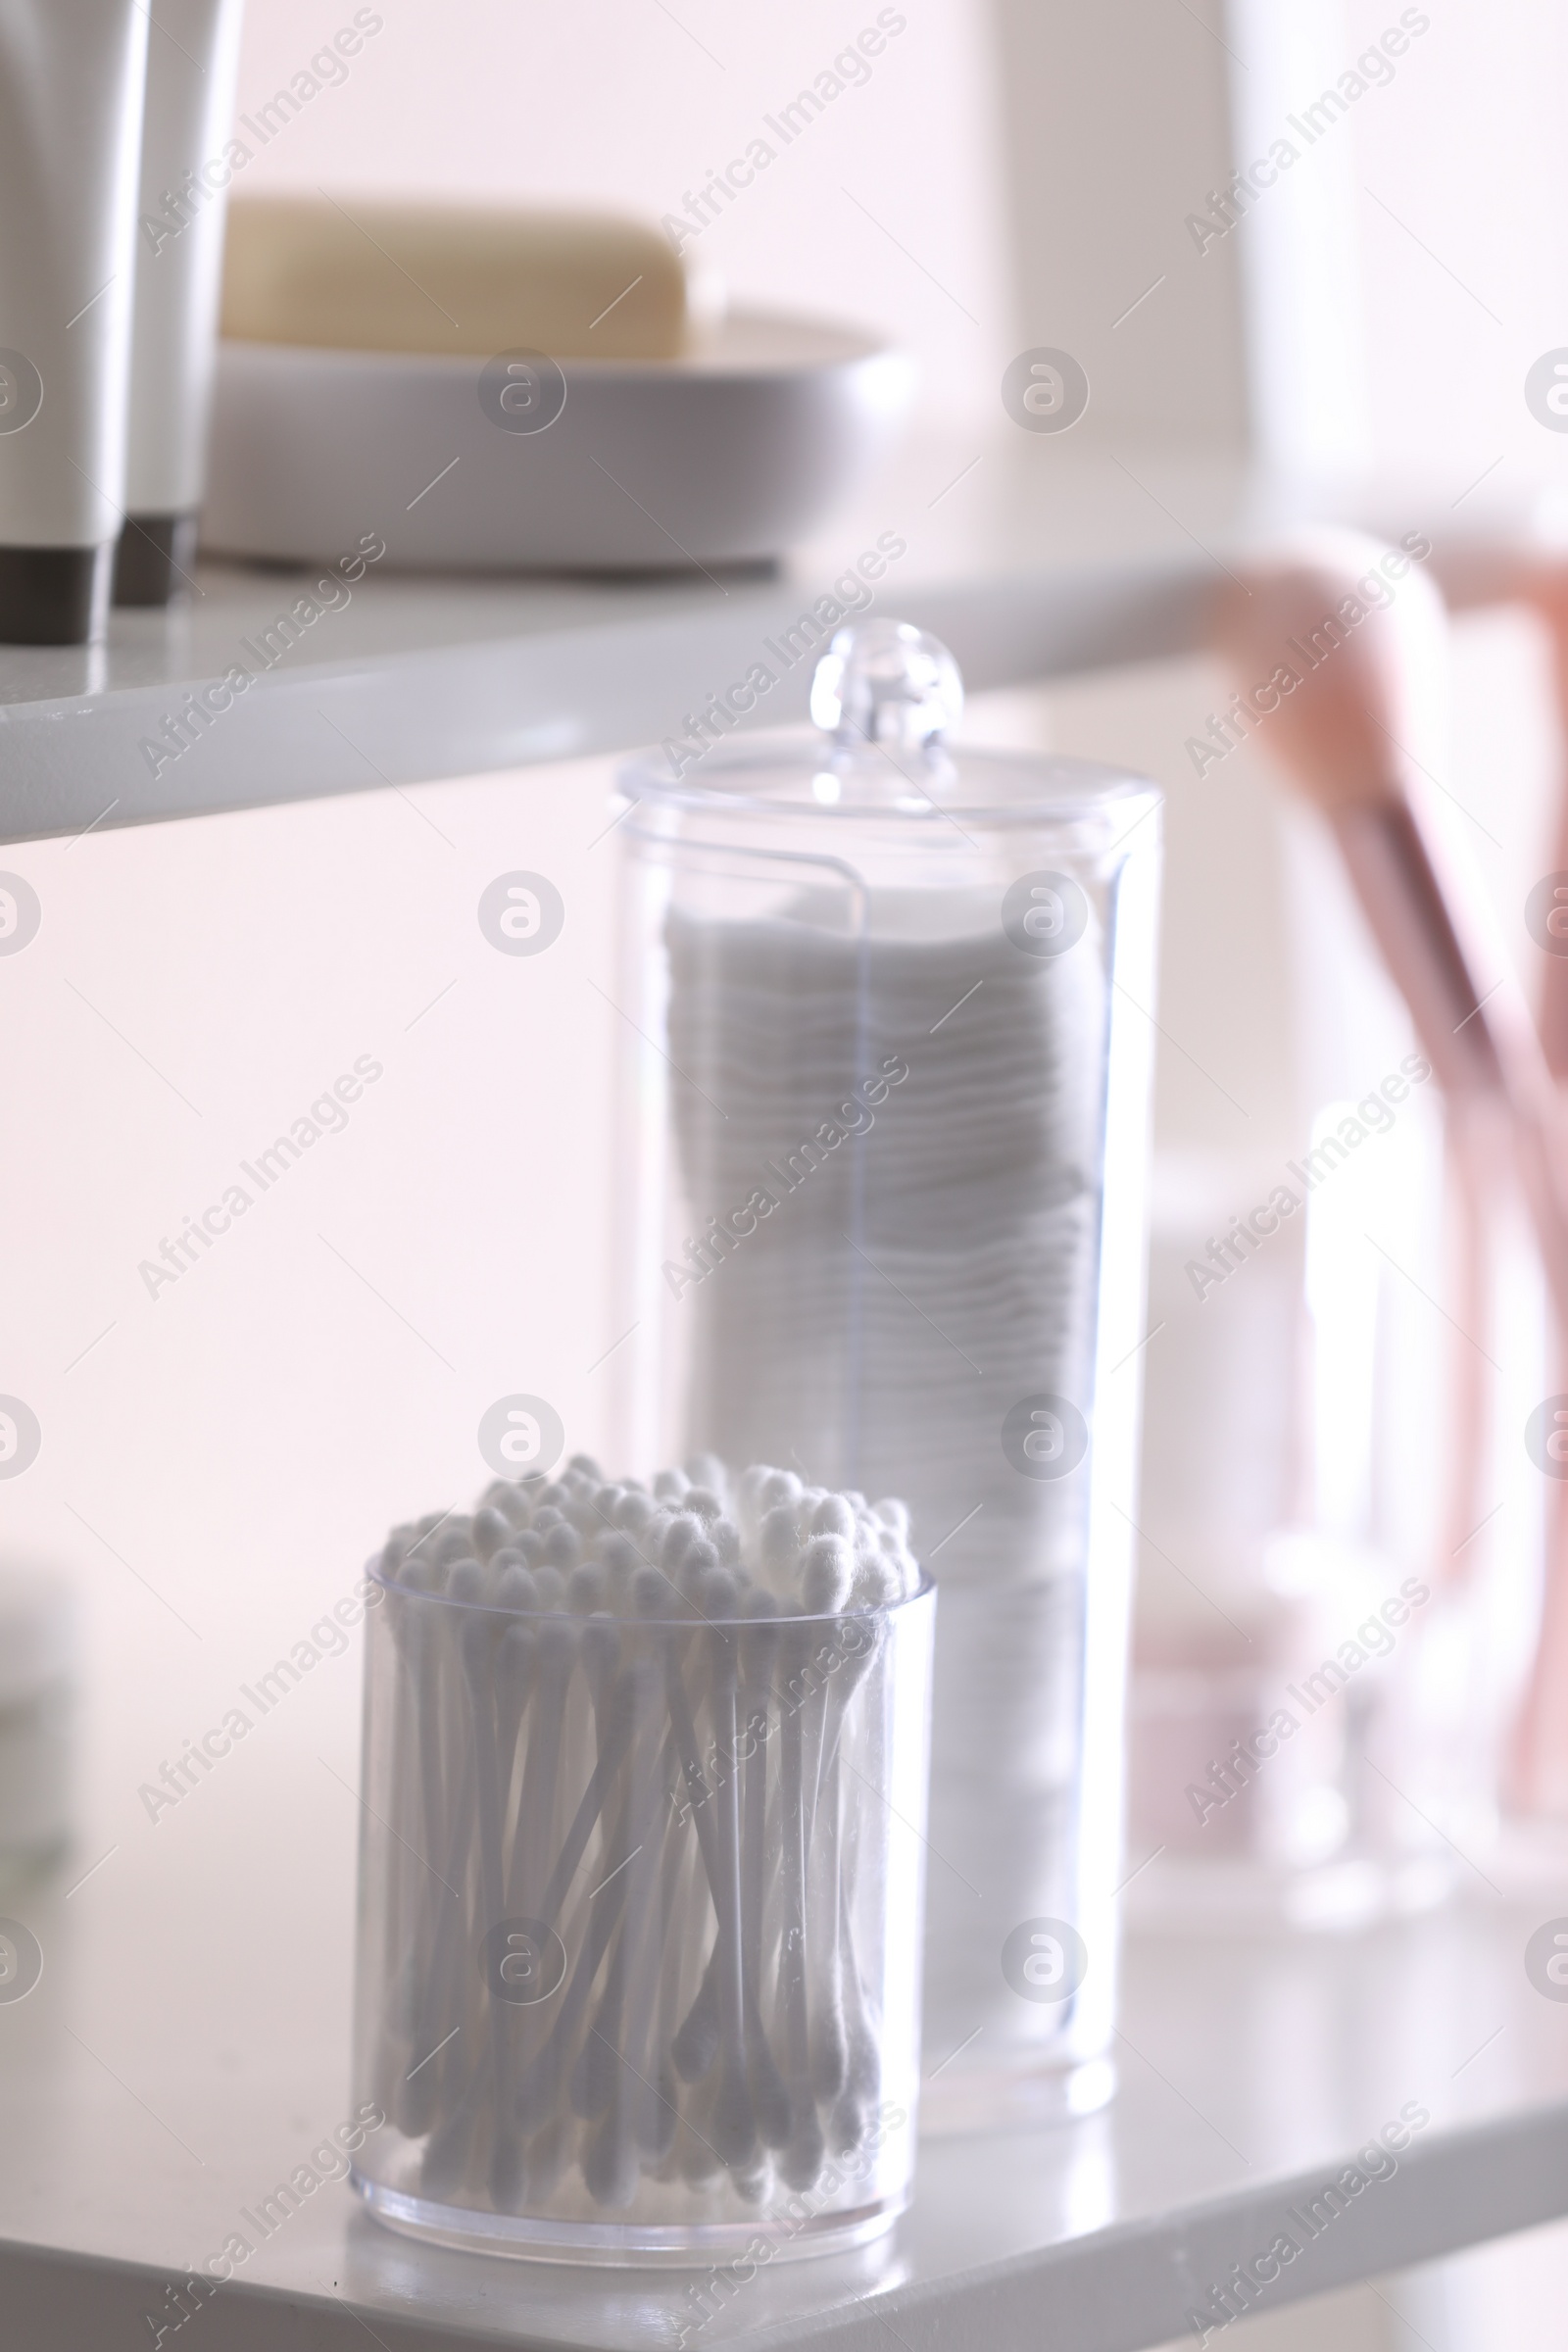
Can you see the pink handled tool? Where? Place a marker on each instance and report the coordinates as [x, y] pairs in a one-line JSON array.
[[1345, 674]]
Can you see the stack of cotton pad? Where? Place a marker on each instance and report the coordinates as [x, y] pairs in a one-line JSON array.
[[937, 1267], [939, 1264], [628, 1945]]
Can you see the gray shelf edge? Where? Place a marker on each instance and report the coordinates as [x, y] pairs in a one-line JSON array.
[[1456, 2189], [1120, 2289], [594, 686]]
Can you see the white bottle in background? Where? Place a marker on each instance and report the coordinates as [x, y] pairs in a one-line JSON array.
[[192, 66], [71, 79]]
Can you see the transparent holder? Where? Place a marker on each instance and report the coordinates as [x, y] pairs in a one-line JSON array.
[[1326, 1644], [1269, 1769], [639, 1925], [886, 1099]]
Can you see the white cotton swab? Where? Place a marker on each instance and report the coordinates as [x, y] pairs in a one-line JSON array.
[[733, 2125], [801, 2159], [611, 2161]]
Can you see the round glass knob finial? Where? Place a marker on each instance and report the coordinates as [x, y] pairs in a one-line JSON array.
[[886, 681]]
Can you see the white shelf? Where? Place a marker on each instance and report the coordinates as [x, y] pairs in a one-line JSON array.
[[1032, 559], [188, 2043]]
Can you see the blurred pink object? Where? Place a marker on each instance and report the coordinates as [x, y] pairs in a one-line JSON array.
[[1343, 731]]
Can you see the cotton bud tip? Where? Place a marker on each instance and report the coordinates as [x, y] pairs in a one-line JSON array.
[[679, 1537], [827, 1574], [564, 1546], [465, 1580], [701, 1559], [720, 1594], [619, 1557], [878, 1583], [514, 1590], [490, 1531], [778, 1540], [587, 1589], [551, 1587], [725, 1537], [511, 1501], [651, 1594]]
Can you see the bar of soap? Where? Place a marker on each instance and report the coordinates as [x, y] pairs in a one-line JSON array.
[[367, 275]]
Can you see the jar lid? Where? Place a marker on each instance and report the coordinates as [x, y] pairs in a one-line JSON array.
[[886, 697], [37, 1634]]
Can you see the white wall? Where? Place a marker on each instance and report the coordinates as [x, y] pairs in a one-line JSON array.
[[235, 1442], [1459, 171]]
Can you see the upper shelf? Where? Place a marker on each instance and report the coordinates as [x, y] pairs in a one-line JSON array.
[[1030, 559]]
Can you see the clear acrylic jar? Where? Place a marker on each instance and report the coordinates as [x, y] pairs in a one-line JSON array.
[[638, 1973], [888, 1026], [1319, 1686]]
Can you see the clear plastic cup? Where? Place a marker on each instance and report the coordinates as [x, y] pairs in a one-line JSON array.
[[639, 1944]]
